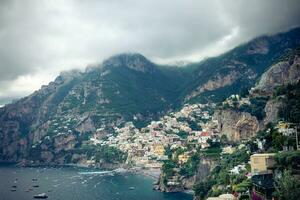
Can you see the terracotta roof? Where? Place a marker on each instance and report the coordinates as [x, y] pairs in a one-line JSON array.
[[205, 134]]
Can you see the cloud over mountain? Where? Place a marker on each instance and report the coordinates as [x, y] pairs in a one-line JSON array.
[[41, 38]]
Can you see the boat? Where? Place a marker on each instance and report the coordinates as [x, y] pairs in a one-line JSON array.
[[131, 188], [35, 186], [40, 196]]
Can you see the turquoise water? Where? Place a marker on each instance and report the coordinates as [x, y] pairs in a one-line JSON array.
[[75, 184]]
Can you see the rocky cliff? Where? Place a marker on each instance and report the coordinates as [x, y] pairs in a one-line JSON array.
[[282, 73], [186, 183], [236, 125], [240, 125], [271, 109]]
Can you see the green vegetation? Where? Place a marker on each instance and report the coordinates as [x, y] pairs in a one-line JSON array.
[[287, 187], [244, 186], [194, 126], [212, 152], [109, 154], [256, 108], [104, 154], [168, 168], [182, 134], [63, 91], [290, 111], [289, 160], [202, 188], [189, 168], [220, 178], [172, 167], [288, 55], [275, 141]]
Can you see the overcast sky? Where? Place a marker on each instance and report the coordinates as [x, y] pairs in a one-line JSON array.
[[40, 38]]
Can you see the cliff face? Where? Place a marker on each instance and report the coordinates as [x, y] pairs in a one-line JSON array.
[[236, 125], [186, 183], [218, 81], [282, 73], [271, 110]]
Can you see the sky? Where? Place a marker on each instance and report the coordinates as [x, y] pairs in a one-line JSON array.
[[41, 38]]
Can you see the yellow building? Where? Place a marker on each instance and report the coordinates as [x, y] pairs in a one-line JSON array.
[[183, 158], [159, 150], [282, 125], [262, 163]]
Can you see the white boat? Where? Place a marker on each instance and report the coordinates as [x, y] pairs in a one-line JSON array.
[[40, 196]]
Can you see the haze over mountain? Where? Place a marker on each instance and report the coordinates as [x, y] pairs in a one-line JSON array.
[[42, 38]]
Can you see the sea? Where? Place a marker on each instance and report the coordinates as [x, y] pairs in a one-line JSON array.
[[74, 183]]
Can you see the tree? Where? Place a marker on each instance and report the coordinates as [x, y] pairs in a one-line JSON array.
[[201, 189], [213, 144], [287, 187], [224, 140]]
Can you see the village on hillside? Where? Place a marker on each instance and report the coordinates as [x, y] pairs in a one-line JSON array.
[[175, 144]]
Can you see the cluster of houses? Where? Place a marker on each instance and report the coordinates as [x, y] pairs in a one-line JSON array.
[[146, 147]]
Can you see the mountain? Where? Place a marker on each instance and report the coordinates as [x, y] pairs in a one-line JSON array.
[[241, 67], [128, 87]]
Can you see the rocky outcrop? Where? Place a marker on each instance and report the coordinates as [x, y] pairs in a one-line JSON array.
[[47, 156], [271, 109], [236, 125], [186, 183], [64, 142], [282, 73], [86, 125], [259, 46], [205, 167], [221, 80], [133, 61], [216, 82], [164, 186]]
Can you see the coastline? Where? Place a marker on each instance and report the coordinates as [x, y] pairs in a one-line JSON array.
[[152, 173]]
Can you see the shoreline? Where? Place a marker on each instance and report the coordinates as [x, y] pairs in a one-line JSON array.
[[152, 173]]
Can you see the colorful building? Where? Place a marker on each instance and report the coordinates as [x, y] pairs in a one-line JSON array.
[[262, 163]]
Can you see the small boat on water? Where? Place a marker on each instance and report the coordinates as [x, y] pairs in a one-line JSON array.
[[34, 179], [131, 188], [35, 186], [40, 196], [13, 190], [14, 186]]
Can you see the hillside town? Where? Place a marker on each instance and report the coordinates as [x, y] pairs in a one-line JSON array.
[[192, 131], [146, 147]]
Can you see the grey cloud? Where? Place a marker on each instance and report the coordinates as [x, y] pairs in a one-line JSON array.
[[40, 36]]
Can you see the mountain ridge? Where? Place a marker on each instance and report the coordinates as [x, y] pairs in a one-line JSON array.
[[129, 87]]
